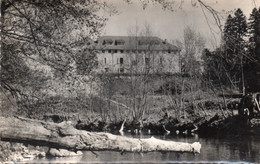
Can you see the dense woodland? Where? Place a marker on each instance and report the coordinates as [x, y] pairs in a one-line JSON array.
[[236, 61], [48, 66]]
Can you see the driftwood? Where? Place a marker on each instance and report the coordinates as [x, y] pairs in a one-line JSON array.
[[64, 135]]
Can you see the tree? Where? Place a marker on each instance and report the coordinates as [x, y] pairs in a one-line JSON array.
[[252, 65], [253, 30], [55, 34], [139, 90], [229, 44], [234, 36], [257, 65], [214, 64], [229, 34], [208, 64], [193, 45], [47, 51], [47, 48]]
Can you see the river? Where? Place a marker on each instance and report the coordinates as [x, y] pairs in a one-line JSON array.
[[214, 150]]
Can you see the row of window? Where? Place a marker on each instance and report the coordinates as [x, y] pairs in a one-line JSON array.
[[140, 42], [110, 42], [122, 70], [119, 60], [146, 61], [134, 51]]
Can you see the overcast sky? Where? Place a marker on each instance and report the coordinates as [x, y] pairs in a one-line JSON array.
[[169, 25]]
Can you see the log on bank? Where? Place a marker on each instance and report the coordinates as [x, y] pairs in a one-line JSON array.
[[64, 135]]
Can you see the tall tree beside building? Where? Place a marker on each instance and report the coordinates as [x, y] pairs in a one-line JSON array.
[[252, 68], [234, 37], [241, 43], [193, 45], [209, 65], [257, 73], [214, 64], [253, 27], [229, 34]]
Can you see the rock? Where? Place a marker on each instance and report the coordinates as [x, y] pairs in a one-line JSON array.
[[255, 122], [63, 153], [28, 156], [17, 157], [42, 154]]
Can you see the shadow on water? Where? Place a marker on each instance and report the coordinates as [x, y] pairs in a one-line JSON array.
[[214, 150]]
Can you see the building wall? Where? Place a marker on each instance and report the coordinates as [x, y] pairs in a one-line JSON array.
[[138, 62]]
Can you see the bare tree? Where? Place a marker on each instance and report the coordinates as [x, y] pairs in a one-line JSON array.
[[193, 45]]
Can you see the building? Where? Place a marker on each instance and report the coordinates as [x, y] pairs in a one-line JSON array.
[[137, 55]]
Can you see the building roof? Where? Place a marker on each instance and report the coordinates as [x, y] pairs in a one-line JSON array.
[[133, 43]]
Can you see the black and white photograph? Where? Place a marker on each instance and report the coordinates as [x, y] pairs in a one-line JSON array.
[[130, 81]]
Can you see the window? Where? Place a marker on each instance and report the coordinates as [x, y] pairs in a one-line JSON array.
[[155, 42], [109, 51], [107, 42], [105, 60], [147, 61], [143, 42], [169, 51], [161, 60], [122, 51], [119, 42], [115, 51], [134, 62], [103, 51], [121, 60], [121, 70]]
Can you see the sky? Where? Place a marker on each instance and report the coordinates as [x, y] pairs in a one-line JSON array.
[[170, 24]]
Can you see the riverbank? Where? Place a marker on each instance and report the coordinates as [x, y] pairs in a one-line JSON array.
[[217, 126], [65, 136], [173, 108], [14, 151], [18, 152], [22, 152]]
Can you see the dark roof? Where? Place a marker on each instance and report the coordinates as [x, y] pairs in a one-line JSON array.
[[133, 43]]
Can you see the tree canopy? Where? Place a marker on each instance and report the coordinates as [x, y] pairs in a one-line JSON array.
[[41, 35], [237, 57]]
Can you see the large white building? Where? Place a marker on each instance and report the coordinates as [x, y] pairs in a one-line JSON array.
[[137, 55]]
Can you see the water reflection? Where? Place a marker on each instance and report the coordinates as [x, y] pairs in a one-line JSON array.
[[243, 149]]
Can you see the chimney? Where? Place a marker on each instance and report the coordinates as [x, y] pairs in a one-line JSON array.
[[165, 41]]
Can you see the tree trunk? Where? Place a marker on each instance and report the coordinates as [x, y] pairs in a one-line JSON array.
[[64, 135]]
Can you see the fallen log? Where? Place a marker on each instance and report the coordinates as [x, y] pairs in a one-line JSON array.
[[64, 135]]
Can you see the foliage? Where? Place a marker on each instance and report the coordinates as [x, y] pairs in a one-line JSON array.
[[47, 47], [234, 45], [235, 62], [54, 34], [253, 67]]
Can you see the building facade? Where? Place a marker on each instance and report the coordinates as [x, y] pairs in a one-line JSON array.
[[137, 55]]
